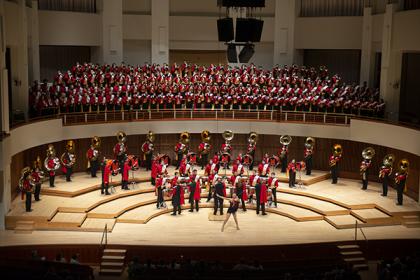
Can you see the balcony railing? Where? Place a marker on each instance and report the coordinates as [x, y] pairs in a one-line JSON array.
[[186, 114]]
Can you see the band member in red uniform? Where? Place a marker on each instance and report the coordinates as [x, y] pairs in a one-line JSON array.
[[333, 162], [181, 149], [204, 148], [400, 179], [240, 190], [147, 149], [233, 208], [364, 171], [93, 156], [291, 169], [238, 169], [263, 169], [26, 186], [216, 158], [219, 190], [273, 184], [385, 173], [68, 159], [52, 164], [252, 182], [261, 193], [252, 146], [125, 172], [211, 168], [37, 174], [159, 191], [106, 172], [195, 189]]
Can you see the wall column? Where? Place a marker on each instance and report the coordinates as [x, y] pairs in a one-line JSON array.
[[160, 31], [112, 38], [34, 71], [390, 66], [284, 28], [366, 63]]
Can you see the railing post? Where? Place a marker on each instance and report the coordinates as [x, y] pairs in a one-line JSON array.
[[304, 117], [122, 115], [137, 115], [355, 231], [258, 115], [106, 116], [345, 119], [285, 116], [325, 118], [271, 115], [175, 114], [150, 115], [85, 118], [216, 114], [233, 114], [191, 114], [65, 119]]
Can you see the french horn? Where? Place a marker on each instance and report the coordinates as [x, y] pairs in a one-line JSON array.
[[368, 153], [285, 140]]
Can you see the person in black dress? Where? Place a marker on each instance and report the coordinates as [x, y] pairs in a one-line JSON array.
[[233, 208]]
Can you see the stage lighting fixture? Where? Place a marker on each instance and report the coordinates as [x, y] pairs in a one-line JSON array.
[[246, 53], [231, 53]]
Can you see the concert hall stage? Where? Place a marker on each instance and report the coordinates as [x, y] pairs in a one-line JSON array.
[[316, 211]]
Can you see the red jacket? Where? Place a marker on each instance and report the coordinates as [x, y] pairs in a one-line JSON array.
[[107, 172], [126, 168], [263, 193]]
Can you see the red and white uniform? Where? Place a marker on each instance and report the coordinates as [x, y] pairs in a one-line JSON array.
[[273, 182], [263, 169], [238, 169], [263, 193], [211, 169]]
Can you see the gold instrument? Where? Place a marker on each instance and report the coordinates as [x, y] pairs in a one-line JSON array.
[[70, 154], [151, 136], [37, 166], [368, 153], [121, 137], [387, 165], [184, 138], [310, 143], [337, 150], [403, 167], [51, 155], [228, 135], [205, 136], [252, 138], [25, 174], [96, 143], [285, 140]]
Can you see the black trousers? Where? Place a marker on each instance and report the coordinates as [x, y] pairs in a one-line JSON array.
[[194, 203], [210, 194], [284, 164], [262, 208], [251, 166], [218, 204], [28, 201], [274, 192], [177, 208], [94, 166], [178, 162], [334, 174], [400, 190], [257, 194], [385, 185], [365, 180], [124, 185], [148, 161], [52, 179], [159, 201], [104, 188], [68, 173], [37, 191], [308, 163], [292, 178], [204, 159]]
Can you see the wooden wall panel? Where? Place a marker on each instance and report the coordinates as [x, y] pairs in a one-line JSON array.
[[165, 143]]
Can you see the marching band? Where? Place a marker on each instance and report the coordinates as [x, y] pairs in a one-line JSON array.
[[247, 184]]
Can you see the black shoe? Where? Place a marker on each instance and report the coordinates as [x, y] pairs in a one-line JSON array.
[[102, 192], [173, 214], [214, 213], [398, 203], [190, 210], [264, 214], [383, 194], [37, 199], [30, 210], [107, 193]]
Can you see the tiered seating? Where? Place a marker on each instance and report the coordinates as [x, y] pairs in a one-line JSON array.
[[91, 87]]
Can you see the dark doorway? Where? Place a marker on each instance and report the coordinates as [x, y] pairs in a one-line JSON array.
[[9, 82], [377, 70], [410, 88]]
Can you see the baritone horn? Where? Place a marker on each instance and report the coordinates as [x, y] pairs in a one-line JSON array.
[[253, 138], [389, 160], [285, 140], [337, 150], [368, 153], [228, 135]]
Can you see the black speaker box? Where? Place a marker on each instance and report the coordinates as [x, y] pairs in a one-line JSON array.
[[231, 54], [225, 29], [248, 30]]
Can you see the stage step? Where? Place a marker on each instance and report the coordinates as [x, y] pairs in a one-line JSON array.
[[414, 224], [113, 261], [111, 258], [112, 265], [351, 253], [355, 260], [115, 252], [411, 218], [110, 271], [348, 247], [24, 226]]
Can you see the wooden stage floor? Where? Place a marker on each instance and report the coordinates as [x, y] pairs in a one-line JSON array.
[[76, 212]]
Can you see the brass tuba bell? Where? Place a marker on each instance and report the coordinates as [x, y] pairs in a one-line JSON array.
[[388, 160], [368, 153], [184, 138], [228, 135], [96, 142], [205, 136], [252, 137], [309, 143], [285, 140], [70, 146], [151, 136], [50, 151], [121, 137], [337, 150], [403, 166]]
